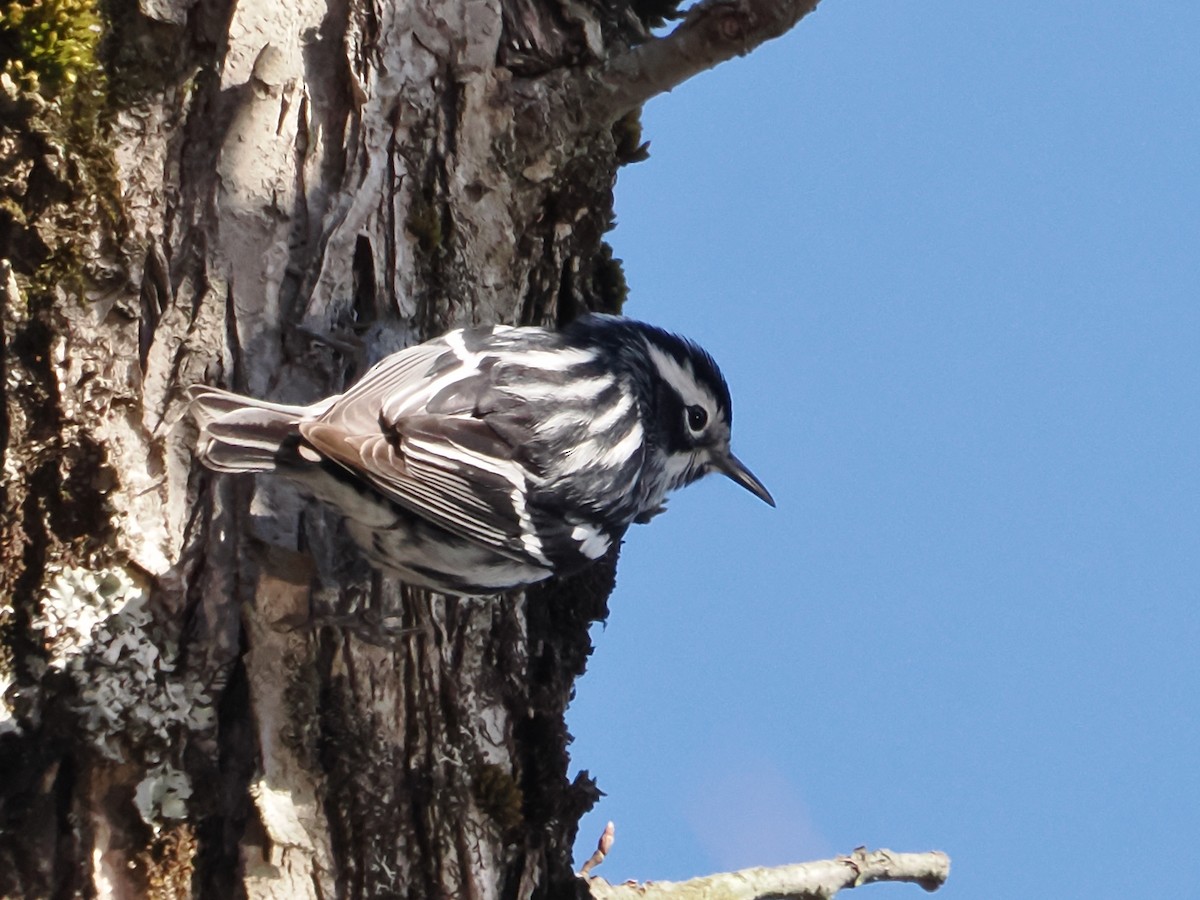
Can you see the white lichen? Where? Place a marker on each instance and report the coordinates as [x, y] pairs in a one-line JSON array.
[[8, 721], [98, 629], [162, 795], [75, 603]]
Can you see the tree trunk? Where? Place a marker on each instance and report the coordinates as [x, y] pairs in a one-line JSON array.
[[211, 691], [208, 692]]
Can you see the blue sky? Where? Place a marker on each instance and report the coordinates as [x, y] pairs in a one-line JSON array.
[[948, 255]]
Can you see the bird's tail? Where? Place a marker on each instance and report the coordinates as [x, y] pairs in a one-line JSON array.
[[241, 434]]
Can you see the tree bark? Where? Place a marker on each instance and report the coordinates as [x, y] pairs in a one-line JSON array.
[[207, 692]]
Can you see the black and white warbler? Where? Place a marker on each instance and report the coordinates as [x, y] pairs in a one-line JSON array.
[[494, 457]]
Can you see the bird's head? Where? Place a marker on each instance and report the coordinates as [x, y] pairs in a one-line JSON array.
[[695, 414]]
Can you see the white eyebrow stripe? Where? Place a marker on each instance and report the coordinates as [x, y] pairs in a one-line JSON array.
[[681, 379]]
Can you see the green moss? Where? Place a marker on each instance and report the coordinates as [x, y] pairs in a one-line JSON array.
[[499, 795], [424, 222], [59, 197], [627, 135], [48, 44], [168, 862], [301, 699]]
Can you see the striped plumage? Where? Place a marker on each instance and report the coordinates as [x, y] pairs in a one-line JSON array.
[[493, 457]]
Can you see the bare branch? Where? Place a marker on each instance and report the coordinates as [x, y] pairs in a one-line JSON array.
[[806, 881], [602, 848], [550, 109], [712, 32]]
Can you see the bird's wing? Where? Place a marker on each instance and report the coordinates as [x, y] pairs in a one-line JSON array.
[[450, 471], [427, 428], [399, 380]]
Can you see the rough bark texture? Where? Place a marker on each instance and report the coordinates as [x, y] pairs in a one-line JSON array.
[[206, 691], [209, 691]]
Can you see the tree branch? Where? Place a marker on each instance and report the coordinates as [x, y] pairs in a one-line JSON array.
[[553, 109], [806, 881], [711, 32]]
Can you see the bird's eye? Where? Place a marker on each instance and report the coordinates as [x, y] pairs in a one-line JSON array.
[[697, 418]]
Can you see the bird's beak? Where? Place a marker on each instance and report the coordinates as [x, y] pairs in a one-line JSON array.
[[736, 469]]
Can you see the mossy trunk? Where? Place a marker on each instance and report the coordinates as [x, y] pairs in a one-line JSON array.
[[206, 691]]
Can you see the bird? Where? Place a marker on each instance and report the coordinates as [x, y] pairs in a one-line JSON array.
[[494, 457]]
